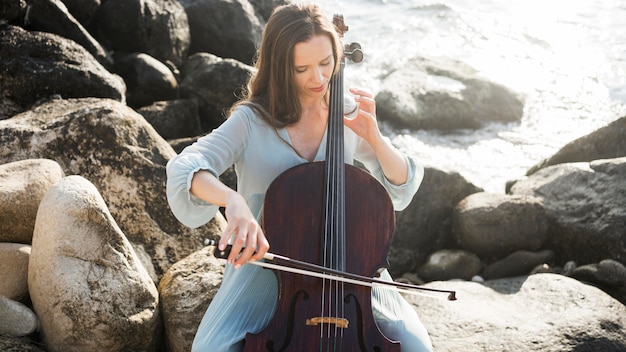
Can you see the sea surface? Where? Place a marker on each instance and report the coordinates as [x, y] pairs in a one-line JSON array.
[[566, 57]]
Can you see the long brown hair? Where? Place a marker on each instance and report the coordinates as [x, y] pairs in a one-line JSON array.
[[271, 91]]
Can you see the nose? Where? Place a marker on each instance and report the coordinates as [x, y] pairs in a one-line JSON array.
[[318, 74]]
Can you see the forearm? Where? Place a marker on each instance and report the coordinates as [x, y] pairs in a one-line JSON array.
[[209, 188], [392, 161]]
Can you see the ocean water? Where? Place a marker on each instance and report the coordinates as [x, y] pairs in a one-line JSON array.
[[566, 57]]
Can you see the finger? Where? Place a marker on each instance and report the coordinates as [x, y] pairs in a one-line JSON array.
[[262, 246], [361, 92], [237, 246], [246, 253]]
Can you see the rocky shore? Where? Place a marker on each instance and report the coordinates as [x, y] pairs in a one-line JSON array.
[[96, 97]]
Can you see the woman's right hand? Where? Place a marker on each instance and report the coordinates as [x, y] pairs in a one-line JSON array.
[[249, 242]]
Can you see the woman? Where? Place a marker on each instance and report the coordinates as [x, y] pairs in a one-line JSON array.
[[282, 123]]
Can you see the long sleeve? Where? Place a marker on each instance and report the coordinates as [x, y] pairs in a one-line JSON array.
[[214, 152], [401, 195]]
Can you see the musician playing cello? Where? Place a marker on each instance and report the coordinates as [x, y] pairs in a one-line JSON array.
[[282, 123]]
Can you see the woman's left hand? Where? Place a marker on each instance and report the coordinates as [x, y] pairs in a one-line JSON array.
[[364, 124]]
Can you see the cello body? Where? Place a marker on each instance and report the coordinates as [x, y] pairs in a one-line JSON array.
[[293, 209]]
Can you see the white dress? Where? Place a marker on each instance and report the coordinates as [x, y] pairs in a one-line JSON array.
[[247, 297]]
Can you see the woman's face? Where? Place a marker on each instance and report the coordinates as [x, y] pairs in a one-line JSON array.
[[313, 64]]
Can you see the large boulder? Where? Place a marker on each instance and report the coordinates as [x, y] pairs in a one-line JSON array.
[[174, 119], [115, 148], [215, 84], [23, 185], [495, 225], [36, 66], [586, 207], [156, 27], [226, 28], [425, 225], [541, 313], [53, 16], [147, 79], [87, 285], [186, 290], [444, 94], [607, 142]]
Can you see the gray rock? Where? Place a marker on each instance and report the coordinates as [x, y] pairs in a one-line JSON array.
[[159, 28], [87, 285], [425, 225], [495, 225], [53, 16], [443, 94], [450, 264], [147, 79], [215, 84], [174, 119], [518, 263], [541, 313], [36, 66], [607, 142], [608, 272], [586, 207], [16, 319], [226, 28]]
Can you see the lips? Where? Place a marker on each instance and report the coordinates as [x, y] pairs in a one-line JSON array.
[[319, 89]]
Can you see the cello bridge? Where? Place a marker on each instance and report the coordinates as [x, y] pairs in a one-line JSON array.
[[339, 322]]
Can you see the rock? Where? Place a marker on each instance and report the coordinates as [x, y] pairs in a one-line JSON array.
[[159, 28], [443, 94], [16, 318], [18, 344], [147, 79], [52, 16], [450, 264], [11, 11], [608, 272], [586, 208], [264, 8], [541, 313], [424, 226], [225, 28], [23, 185], [36, 66], [608, 142], [87, 285], [518, 263], [495, 225], [111, 145], [14, 268], [215, 84], [174, 119], [186, 291], [83, 10]]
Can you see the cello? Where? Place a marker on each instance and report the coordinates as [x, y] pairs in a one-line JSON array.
[[336, 216]]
